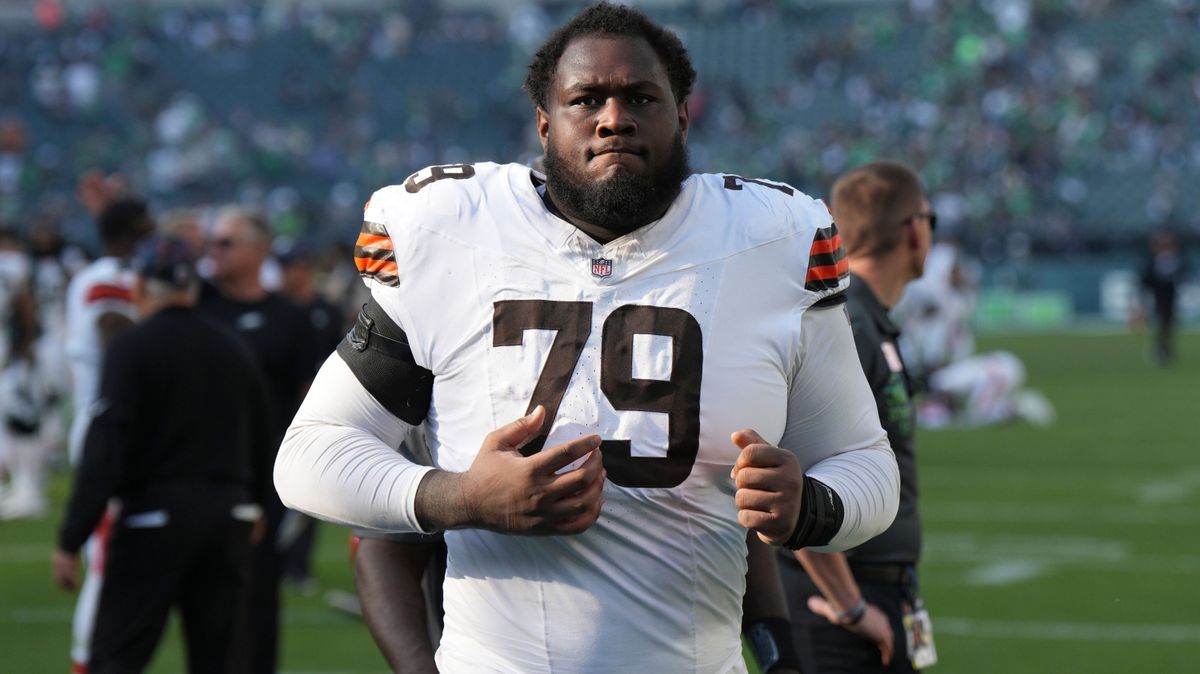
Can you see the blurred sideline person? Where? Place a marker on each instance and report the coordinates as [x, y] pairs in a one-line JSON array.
[[22, 401], [957, 385], [1163, 271], [99, 308], [608, 356], [851, 610], [179, 439], [280, 337]]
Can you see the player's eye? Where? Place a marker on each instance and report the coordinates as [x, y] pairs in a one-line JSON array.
[[640, 99], [586, 101]]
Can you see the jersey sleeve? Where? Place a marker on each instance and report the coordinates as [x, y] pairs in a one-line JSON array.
[[827, 274], [833, 427]]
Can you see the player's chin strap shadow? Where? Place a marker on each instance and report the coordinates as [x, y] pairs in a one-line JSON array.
[[378, 353]]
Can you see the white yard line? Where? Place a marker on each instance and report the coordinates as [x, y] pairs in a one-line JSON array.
[[1056, 513], [1065, 631], [1172, 489]]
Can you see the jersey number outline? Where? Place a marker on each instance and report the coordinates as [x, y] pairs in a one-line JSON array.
[[433, 174], [735, 183], [678, 397]]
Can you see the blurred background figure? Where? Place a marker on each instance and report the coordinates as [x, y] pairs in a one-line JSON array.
[[24, 395], [281, 339], [1163, 272], [183, 444], [959, 386], [99, 307]]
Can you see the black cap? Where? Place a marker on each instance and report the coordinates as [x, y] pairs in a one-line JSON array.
[[166, 258]]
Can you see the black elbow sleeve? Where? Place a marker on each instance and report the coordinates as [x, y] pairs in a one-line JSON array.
[[377, 352]]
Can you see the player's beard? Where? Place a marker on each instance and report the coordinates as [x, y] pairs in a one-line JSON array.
[[625, 201]]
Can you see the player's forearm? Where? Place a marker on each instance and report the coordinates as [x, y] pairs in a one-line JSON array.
[[830, 572], [868, 484], [337, 460], [347, 476]]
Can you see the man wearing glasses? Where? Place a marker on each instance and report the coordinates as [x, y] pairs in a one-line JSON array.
[[282, 340], [856, 611]]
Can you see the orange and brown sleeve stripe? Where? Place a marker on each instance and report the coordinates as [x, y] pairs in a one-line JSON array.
[[827, 264], [374, 255]]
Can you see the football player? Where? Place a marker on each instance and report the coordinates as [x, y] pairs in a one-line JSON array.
[[99, 307], [609, 358]]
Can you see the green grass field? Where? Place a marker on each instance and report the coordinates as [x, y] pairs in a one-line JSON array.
[[1069, 549]]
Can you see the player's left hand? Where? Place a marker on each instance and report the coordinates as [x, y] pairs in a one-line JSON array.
[[64, 567], [769, 484]]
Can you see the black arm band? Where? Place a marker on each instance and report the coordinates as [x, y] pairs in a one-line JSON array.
[[377, 352], [771, 641], [821, 515]]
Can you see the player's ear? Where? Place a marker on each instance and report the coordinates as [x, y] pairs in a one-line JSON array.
[[684, 119], [543, 127]]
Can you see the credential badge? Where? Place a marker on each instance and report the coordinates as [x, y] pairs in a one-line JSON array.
[[601, 267]]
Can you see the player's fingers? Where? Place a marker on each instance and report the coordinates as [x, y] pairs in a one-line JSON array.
[[579, 503], [761, 479], [755, 519], [578, 480], [578, 524], [548, 461], [818, 605], [516, 433], [746, 437], [761, 456], [753, 499]]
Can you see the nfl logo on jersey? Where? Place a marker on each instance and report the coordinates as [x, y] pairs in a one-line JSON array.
[[601, 267]]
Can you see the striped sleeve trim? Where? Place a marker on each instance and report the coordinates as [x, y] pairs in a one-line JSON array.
[[827, 264], [374, 255], [107, 292]]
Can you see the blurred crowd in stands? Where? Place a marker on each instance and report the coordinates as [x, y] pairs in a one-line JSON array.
[[1053, 125]]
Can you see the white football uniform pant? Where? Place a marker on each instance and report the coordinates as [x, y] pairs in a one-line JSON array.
[[84, 621], [981, 386]]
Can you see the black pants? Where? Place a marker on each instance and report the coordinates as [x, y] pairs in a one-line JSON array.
[[826, 648], [178, 547], [1164, 334], [256, 644]]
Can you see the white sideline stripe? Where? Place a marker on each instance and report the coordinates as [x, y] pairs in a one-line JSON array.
[[1172, 489], [960, 511], [1005, 558], [1065, 631], [1007, 572]]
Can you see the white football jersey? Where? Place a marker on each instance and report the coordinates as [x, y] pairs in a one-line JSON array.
[[101, 287], [664, 342]]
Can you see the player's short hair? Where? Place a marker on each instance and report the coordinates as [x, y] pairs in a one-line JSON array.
[[607, 19], [124, 221], [870, 205], [257, 225]]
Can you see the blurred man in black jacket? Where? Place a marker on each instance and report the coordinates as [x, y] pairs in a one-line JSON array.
[[182, 441]]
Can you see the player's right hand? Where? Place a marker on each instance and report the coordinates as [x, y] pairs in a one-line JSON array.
[[506, 491]]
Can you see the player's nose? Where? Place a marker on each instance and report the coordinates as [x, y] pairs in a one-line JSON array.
[[615, 119]]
